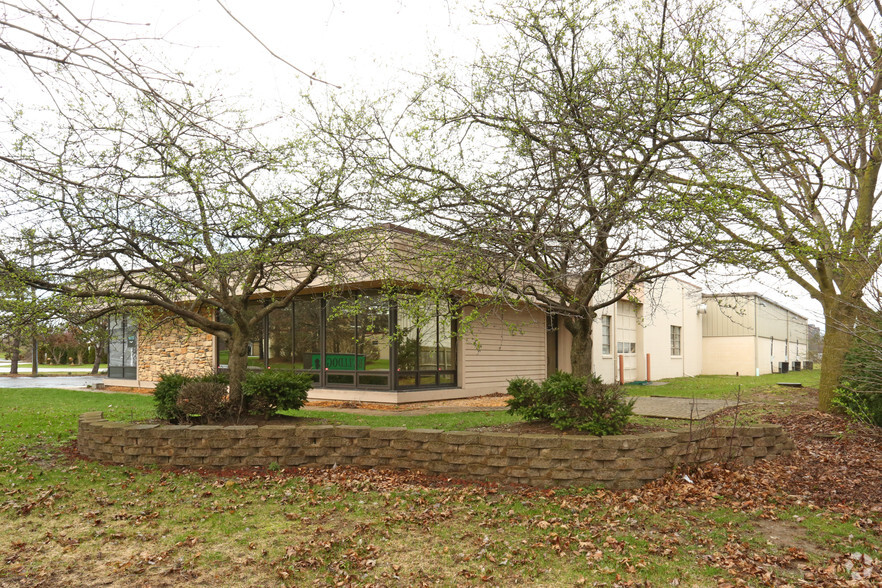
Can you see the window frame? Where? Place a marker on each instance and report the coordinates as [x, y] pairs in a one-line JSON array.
[[676, 341]]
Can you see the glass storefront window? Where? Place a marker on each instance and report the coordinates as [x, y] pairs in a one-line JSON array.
[[307, 335], [348, 341], [122, 352], [426, 344], [280, 339]]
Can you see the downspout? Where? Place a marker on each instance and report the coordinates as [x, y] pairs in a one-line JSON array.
[[756, 336]]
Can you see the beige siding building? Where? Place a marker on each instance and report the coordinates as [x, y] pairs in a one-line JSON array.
[[655, 334], [747, 334]]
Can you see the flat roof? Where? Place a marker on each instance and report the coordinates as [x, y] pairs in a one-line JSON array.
[[753, 295]]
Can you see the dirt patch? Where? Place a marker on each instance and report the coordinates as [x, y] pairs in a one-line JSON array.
[[546, 429], [279, 419], [788, 535]]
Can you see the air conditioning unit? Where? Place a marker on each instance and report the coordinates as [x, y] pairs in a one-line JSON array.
[[783, 367], [797, 366]]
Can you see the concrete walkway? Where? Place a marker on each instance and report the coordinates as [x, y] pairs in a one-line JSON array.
[[77, 382]]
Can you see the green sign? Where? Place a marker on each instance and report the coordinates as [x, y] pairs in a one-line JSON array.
[[335, 361]]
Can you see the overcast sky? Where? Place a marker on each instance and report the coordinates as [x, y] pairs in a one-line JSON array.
[[365, 46]]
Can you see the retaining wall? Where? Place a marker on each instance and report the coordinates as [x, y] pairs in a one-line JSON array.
[[622, 461]]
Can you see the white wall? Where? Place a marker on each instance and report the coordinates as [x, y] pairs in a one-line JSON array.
[[726, 356], [646, 320]]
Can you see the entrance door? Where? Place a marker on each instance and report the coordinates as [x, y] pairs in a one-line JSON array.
[[626, 339]]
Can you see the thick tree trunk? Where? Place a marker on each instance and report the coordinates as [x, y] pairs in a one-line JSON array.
[[96, 365], [581, 352], [14, 356], [838, 337], [79, 356], [238, 366]]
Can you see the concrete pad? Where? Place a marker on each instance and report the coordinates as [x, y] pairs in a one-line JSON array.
[[76, 382]]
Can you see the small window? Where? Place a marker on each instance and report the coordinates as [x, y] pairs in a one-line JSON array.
[[675, 341], [605, 334]]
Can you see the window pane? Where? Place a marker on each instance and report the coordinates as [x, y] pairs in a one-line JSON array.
[[429, 340], [223, 351], [373, 380], [428, 379], [116, 348], [446, 347], [408, 343], [373, 333], [256, 353], [406, 379], [341, 379], [605, 334], [340, 337], [675, 340], [280, 339], [307, 324]]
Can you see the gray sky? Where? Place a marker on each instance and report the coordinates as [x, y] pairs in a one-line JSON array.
[[364, 46]]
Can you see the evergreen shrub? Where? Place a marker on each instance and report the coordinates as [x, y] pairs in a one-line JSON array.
[[585, 404], [267, 392], [165, 395]]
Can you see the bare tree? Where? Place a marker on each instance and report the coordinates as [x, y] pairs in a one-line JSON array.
[[190, 212], [135, 191], [800, 195], [541, 165]]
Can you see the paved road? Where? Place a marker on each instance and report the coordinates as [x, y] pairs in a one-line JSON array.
[[50, 382]]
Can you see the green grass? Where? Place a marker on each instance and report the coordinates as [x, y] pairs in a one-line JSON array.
[[726, 386], [76, 522]]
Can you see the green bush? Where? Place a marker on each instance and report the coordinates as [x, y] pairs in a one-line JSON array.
[[270, 391], [165, 395], [569, 402], [864, 407], [205, 400]]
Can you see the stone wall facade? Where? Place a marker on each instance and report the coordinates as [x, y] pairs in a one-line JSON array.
[[173, 347], [616, 462]]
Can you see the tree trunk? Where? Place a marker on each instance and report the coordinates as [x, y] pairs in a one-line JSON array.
[[581, 352], [838, 336], [79, 356], [35, 356], [14, 356], [96, 366], [238, 366]]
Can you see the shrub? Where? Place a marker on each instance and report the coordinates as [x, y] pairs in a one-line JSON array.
[[270, 391], [864, 407], [207, 400], [570, 402], [165, 395]]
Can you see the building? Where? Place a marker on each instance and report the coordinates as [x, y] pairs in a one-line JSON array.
[[410, 349], [747, 334], [360, 342]]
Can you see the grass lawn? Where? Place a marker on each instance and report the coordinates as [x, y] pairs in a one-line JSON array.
[[65, 521], [726, 386]]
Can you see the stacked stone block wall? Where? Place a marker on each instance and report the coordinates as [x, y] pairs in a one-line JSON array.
[[173, 347], [616, 462]]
